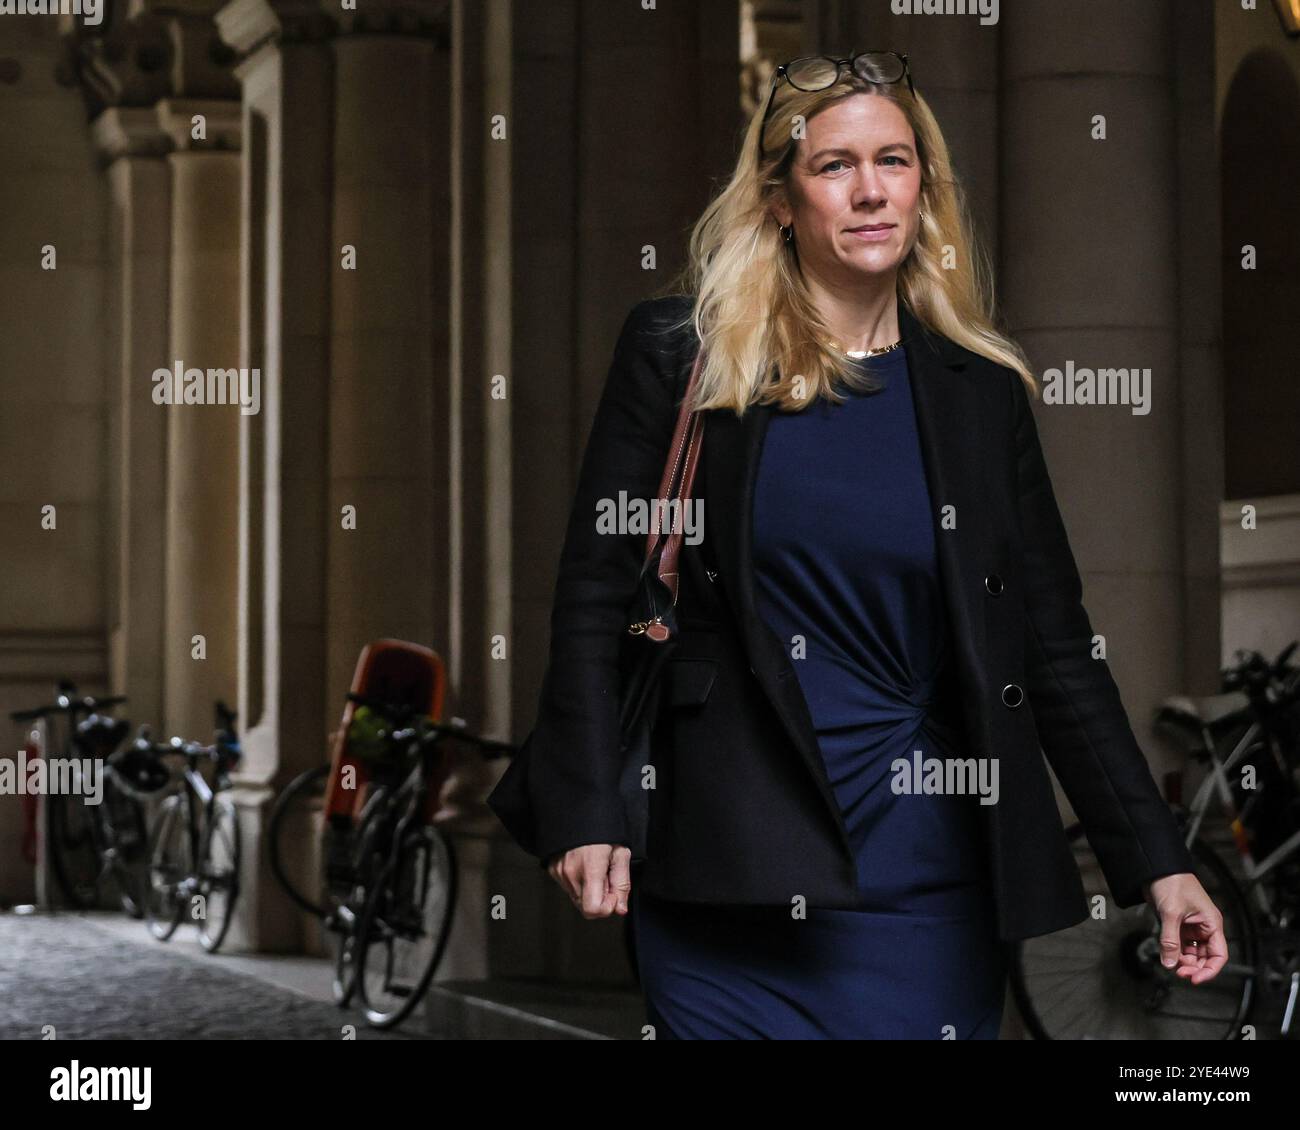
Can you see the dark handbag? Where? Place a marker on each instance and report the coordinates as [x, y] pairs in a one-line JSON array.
[[650, 639]]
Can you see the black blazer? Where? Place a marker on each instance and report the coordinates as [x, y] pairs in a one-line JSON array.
[[742, 810]]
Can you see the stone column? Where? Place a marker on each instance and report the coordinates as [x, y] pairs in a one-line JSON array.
[[1200, 360], [465, 602], [139, 183], [1089, 274], [954, 63], [286, 75], [202, 442], [388, 356]]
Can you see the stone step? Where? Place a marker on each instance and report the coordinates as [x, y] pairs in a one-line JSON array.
[[517, 1009]]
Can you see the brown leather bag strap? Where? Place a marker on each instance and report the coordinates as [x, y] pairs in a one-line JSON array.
[[678, 481]]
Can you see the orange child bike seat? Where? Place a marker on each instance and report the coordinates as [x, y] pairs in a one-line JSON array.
[[393, 671]]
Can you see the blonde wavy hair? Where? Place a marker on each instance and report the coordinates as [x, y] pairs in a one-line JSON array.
[[753, 310]]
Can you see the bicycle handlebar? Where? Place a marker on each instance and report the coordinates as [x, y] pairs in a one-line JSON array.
[[68, 705], [176, 747], [456, 728]]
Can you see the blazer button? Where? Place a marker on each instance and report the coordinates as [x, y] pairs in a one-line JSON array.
[[994, 584], [1012, 695]]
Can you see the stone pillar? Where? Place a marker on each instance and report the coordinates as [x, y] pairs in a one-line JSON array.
[[342, 146], [465, 601], [388, 359], [474, 593], [202, 442], [392, 417], [1200, 360], [139, 183], [1089, 274], [954, 63], [286, 75]]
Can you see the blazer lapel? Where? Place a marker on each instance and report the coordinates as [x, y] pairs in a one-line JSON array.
[[951, 428], [948, 428]]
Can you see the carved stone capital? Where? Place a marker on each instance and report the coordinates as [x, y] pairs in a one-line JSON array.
[[129, 64], [249, 25], [147, 50]]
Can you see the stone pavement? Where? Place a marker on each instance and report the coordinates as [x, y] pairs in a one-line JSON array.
[[81, 975]]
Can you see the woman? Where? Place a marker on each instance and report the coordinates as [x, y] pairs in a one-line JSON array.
[[868, 455]]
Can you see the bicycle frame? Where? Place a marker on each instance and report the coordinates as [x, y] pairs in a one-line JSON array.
[[1218, 782], [410, 799], [200, 802]]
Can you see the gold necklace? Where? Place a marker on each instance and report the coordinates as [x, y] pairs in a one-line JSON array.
[[859, 354]]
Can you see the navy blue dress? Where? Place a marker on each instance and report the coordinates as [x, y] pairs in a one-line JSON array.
[[846, 576]]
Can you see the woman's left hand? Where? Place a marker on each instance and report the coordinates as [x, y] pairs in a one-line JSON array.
[[1191, 927]]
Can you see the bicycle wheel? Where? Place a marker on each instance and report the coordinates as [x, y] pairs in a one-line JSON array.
[[305, 792], [404, 927], [219, 873], [166, 897], [1102, 979], [344, 984], [357, 861], [73, 856]]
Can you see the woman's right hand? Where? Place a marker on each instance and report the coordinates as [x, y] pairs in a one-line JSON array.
[[597, 877]]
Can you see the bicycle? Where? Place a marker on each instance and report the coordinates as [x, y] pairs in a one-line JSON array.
[[1102, 979], [391, 883], [406, 906], [346, 794], [91, 846], [194, 845], [351, 857]]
